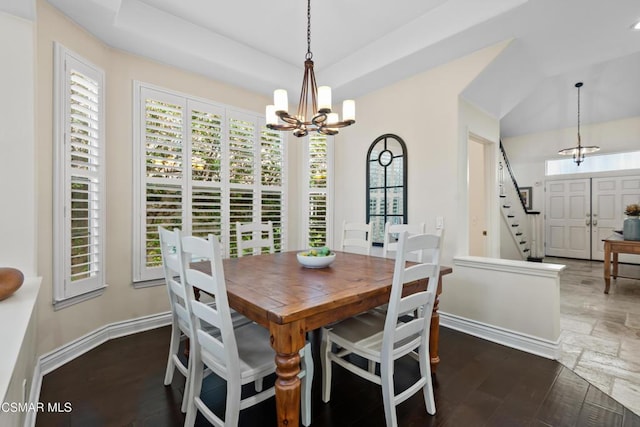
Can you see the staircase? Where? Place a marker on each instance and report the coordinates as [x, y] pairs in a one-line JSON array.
[[525, 225]]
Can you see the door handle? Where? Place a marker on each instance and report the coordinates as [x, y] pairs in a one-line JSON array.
[[595, 219], [587, 220]]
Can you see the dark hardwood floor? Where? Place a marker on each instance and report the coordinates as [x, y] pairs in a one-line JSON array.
[[478, 383]]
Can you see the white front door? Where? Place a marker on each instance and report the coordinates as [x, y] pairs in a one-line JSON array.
[[568, 213]]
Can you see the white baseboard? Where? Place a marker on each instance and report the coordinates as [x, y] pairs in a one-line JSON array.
[[517, 340], [58, 357]]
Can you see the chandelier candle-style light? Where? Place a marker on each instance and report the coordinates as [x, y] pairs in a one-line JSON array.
[[580, 150], [323, 121]]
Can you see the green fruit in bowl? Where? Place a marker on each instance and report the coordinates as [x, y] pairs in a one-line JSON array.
[[313, 252]]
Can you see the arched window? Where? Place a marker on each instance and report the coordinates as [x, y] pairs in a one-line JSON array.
[[386, 184]]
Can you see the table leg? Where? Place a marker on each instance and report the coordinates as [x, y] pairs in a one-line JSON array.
[[287, 340], [607, 267], [615, 265], [434, 330]]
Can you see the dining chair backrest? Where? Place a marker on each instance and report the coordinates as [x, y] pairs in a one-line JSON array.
[[255, 236], [205, 318], [171, 265], [391, 237], [396, 331], [180, 319], [356, 237]]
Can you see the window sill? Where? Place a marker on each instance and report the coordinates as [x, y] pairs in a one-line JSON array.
[[148, 283], [59, 305]]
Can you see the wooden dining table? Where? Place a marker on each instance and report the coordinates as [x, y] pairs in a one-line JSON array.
[[290, 300]]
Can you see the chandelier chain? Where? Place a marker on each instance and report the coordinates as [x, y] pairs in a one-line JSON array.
[[579, 114], [309, 55]]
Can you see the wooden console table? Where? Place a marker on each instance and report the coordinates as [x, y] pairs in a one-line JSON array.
[[614, 245]]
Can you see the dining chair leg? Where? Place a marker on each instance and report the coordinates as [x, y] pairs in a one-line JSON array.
[[174, 344], [307, 381], [425, 371], [187, 387], [232, 413], [388, 392], [325, 349], [195, 387]]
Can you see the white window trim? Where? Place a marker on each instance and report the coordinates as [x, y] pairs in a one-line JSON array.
[[144, 276], [64, 294], [594, 163]]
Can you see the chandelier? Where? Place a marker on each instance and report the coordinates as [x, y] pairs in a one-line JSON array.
[[580, 150], [323, 121]]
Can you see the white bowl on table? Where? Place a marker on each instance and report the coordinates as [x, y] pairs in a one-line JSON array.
[[317, 261]]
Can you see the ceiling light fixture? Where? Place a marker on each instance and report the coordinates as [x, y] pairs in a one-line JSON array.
[[636, 25], [323, 121], [580, 150]]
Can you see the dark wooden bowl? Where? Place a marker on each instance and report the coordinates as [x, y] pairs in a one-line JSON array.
[[10, 280]]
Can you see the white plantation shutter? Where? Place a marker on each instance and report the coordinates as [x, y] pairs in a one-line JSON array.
[[201, 167], [319, 157], [242, 147], [206, 135], [241, 209], [164, 177], [272, 200], [79, 178], [206, 207], [243, 143], [272, 158]]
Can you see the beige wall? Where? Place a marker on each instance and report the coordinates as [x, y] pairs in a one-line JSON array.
[[424, 111], [120, 301]]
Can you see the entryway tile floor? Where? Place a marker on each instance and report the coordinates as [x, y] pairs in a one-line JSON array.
[[600, 334]]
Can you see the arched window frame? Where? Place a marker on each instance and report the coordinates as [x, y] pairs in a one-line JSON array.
[[385, 214]]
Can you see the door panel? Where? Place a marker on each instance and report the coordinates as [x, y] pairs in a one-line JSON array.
[[568, 233], [610, 197]]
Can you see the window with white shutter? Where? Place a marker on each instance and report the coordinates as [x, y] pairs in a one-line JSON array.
[[78, 179], [201, 166], [272, 177], [205, 194], [319, 154]]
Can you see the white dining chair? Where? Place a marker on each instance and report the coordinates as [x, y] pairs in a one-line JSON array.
[[260, 237], [241, 355], [384, 339], [390, 241], [180, 320], [356, 237]]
